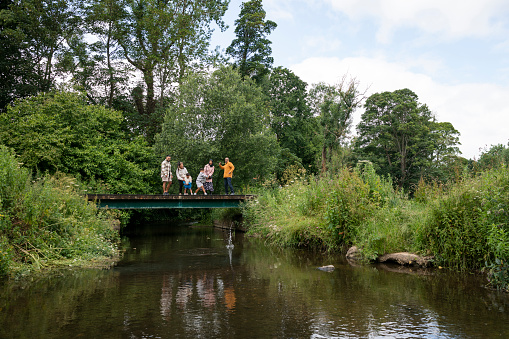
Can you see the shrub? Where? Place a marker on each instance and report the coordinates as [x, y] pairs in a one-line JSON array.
[[463, 221], [321, 212], [46, 220]]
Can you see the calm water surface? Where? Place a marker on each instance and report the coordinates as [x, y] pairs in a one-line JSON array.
[[183, 282]]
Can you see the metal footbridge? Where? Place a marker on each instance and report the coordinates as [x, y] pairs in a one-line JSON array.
[[158, 201]]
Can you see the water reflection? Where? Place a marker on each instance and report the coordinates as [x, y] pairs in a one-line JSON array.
[[190, 285]]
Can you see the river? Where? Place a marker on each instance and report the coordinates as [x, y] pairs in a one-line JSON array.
[[178, 281]]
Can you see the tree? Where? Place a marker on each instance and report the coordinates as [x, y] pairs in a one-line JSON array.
[[59, 132], [495, 156], [445, 158], [99, 68], [251, 49], [219, 115], [396, 133], [335, 105], [291, 119], [34, 36], [163, 40]]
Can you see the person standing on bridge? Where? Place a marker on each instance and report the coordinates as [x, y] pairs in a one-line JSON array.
[[227, 175], [181, 175], [208, 170], [166, 175]]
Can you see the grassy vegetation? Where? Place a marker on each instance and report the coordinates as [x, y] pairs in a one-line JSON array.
[[45, 222], [465, 226]]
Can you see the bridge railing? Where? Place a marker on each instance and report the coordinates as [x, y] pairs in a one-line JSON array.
[[158, 201]]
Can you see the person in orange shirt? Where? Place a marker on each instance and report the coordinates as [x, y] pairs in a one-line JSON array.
[[227, 175]]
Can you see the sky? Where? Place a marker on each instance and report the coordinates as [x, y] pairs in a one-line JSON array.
[[453, 54]]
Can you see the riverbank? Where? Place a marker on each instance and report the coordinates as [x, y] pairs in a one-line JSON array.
[[46, 223], [463, 226]]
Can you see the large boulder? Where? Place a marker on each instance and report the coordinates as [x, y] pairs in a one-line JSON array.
[[354, 253], [405, 258]]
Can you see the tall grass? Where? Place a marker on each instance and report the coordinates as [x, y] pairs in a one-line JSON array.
[[44, 221], [464, 225], [317, 212], [468, 226]]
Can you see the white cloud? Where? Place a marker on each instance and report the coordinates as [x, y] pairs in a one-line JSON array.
[[445, 19], [320, 44], [278, 10], [478, 110]]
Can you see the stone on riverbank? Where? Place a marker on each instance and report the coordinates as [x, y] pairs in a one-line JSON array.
[[401, 258], [354, 253], [405, 258]]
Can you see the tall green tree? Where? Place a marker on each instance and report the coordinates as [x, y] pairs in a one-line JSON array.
[[251, 49], [219, 115], [163, 40], [401, 137], [495, 156], [291, 119], [445, 161], [99, 67], [335, 105], [34, 37]]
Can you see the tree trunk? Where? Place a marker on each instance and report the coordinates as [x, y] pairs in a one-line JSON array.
[[110, 69], [150, 107], [324, 158]]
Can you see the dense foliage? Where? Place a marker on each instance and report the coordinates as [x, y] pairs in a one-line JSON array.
[[60, 132], [251, 49], [44, 221], [400, 135], [464, 225], [219, 115]]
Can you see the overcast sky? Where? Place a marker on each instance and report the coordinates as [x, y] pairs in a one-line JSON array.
[[453, 54]]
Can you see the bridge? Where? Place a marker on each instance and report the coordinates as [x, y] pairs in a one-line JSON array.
[[157, 201]]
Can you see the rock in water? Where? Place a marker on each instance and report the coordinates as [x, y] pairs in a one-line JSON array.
[[353, 253], [328, 268]]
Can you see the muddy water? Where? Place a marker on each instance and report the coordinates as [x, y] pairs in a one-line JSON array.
[[183, 282]]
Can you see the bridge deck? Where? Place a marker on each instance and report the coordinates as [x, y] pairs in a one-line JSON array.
[[153, 201]]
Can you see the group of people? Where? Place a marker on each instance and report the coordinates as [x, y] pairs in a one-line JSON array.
[[203, 180]]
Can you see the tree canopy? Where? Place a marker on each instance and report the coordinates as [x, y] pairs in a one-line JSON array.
[[401, 136], [291, 118], [219, 115], [335, 105], [251, 49], [60, 132]]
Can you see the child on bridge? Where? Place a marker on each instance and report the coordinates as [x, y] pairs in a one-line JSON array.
[[188, 182], [200, 181]]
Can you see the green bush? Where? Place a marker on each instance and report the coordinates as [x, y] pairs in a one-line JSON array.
[[60, 132], [464, 225], [45, 220], [316, 212], [463, 220]]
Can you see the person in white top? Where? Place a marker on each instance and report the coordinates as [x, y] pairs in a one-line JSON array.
[[181, 175]]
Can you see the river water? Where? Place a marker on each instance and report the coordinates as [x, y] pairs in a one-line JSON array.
[[183, 282]]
